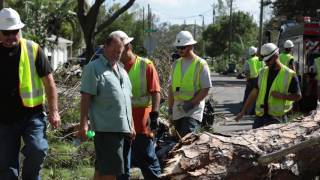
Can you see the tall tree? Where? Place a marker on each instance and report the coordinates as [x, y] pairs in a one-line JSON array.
[[88, 21], [244, 35], [294, 8]]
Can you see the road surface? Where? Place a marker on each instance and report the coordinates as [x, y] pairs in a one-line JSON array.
[[228, 92]]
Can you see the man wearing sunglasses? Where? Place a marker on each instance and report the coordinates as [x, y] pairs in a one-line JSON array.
[[26, 79], [189, 85], [275, 89]]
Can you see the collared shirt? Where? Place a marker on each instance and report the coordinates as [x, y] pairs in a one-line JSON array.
[[110, 108]]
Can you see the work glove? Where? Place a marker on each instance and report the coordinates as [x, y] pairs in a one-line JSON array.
[[154, 120], [187, 106]]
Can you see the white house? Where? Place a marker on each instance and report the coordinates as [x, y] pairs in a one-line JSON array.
[[58, 53]]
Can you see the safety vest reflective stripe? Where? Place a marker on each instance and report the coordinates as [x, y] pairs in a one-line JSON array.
[[276, 107], [317, 63], [137, 75], [184, 88], [31, 88]]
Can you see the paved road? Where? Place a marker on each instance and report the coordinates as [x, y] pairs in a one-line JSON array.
[[228, 92]]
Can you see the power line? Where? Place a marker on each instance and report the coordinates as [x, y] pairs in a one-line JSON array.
[[181, 17]]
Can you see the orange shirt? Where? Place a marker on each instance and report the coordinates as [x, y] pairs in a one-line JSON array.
[[141, 115]]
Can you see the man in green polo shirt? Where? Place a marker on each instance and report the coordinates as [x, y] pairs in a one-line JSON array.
[[106, 101]]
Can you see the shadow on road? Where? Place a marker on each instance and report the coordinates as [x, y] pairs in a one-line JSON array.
[[233, 108], [228, 83]]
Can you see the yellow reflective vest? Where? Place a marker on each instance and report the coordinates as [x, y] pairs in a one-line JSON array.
[[317, 64], [254, 66], [31, 87], [285, 58], [185, 87], [276, 107], [138, 78]]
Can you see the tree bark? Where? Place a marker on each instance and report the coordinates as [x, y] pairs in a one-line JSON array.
[[279, 151], [88, 21]]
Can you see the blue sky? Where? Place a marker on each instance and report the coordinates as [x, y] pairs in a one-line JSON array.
[[178, 11]]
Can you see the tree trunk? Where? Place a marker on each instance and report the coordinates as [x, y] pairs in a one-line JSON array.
[[279, 151], [1, 4]]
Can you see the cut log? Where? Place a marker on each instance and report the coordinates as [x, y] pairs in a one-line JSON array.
[[278, 151]]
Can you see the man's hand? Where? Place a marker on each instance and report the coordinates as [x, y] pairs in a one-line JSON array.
[[187, 106], [132, 134], [54, 119], [239, 116], [154, 120], [82, 131], [277, 95]]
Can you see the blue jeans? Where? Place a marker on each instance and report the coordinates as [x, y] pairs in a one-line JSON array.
[[32, 130], [127, 160], [143, 156], [186, 125]]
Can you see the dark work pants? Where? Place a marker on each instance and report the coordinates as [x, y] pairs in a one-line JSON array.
[[141, 152], [249, 87], [186, 125], [267, 120]]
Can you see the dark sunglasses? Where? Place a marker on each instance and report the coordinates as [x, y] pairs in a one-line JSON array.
[[181, 47], [10, 32]]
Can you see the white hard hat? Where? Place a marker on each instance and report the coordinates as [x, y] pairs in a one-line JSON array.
[[288, 44], [184, 38], [268, 50], [252, 50], [123, 36], [10, 19]]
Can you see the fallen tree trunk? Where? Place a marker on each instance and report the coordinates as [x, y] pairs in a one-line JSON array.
[[279, 151]]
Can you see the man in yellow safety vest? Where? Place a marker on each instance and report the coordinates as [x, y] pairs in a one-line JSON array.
[[251, 69], [145, 110], [286, 57], [276, 87], [189, 85], [26, 81]]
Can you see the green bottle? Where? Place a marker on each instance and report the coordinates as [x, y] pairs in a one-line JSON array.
[[90, 134]]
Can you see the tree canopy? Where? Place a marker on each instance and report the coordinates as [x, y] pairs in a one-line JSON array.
[[294, 8], [244, 34]]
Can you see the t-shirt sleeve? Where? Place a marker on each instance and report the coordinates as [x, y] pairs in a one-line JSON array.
[[43, 66], [89, 80], [205, 79], [294, 86], [152, 79]]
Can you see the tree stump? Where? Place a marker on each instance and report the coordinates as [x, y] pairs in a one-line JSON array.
[[278, 151]]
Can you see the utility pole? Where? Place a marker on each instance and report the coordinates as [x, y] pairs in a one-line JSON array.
[[230, 30], [213, 14], [260, 25], [1, 4], [203, 43], [194, 29], [143, 27]]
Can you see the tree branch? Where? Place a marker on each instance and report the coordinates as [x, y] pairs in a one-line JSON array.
[[114, 16]]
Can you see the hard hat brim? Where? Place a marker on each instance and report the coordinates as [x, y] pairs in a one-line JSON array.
[[266, 58], [14, 27], [128, 40], [184, 44]]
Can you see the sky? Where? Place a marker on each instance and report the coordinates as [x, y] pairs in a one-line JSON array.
[[180, 11]]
